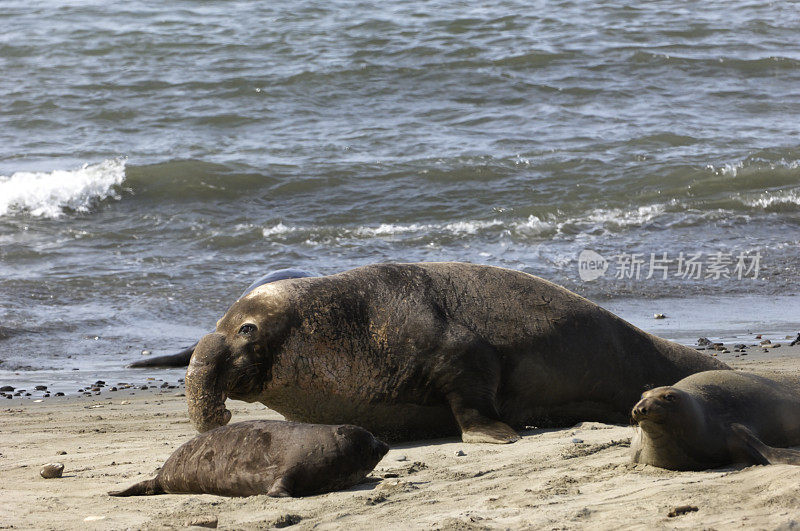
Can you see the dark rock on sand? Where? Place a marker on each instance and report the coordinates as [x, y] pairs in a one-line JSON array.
[[287, 520], [681, 510], [52, 470]]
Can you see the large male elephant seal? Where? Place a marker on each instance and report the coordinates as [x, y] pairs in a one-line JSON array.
[[422, 350], [717, 418], [266, 457], [181, 359]]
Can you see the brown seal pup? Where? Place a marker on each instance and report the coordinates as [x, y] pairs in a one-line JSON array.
[[717, 418], [266, 457], [411, 351]]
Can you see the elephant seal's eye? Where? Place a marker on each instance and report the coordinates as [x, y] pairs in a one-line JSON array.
[[247, 329]]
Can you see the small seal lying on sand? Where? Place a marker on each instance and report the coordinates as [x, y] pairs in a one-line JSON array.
[[181, 359], [410, 351], [266, 457], [715, 418]]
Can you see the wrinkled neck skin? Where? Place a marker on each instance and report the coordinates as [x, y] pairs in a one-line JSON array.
[[688, 441]]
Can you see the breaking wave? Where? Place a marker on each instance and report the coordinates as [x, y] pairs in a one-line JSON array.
[[49, 194]]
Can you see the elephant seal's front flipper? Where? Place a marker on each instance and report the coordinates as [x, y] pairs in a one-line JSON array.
[[280, 489], [148, 487], [470, 385], [745, 442]]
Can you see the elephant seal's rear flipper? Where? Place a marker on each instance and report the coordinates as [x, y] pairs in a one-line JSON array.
[[746, 442], [181, 359], [149, 487]]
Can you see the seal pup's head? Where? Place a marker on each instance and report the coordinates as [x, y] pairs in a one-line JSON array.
[[671, 423]]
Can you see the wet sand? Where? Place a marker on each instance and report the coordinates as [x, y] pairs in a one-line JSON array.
[[578, 477]]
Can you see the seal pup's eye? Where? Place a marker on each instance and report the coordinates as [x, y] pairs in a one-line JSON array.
[[669, 397], [247, 329]]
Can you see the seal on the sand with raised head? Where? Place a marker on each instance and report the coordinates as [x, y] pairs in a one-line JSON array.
[[716, 418], [267, 457], [181, 359], [411, 351]]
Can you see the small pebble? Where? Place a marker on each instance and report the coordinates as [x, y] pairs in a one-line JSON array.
[[287, 520], [577, 441], [61, 452], [203, 521], [401, 458], [144, 387], [41, 388], [147, 353], [52, 470], [59, 393], [659, 316], [460, 453]]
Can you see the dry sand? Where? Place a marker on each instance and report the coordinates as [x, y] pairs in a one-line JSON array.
[[579, 477]]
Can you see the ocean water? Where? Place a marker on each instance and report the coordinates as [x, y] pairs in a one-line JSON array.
[[156, 158]]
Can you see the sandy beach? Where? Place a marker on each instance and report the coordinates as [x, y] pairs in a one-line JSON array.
[[578, 477]]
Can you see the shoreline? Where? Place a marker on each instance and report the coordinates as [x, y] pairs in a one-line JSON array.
[[545, 480], [126, 380]]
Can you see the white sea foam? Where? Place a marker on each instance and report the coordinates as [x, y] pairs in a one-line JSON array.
[[770, 199], [47, 194], [532, 226], [280, 228]]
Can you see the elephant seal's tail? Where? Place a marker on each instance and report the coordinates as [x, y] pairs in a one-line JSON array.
[[149, 487], [181, 359]]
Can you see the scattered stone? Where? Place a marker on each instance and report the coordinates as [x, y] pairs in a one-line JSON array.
[[718, 346], [460, 453], [52, 470], [41, 388], [740, 346], [6, 388], [203, 521], [59, 393], [577, 440], [147, 353], [179, 394], [704, 342], [112, 389], [726, 351], [681, 510], [390, 475], [416, 467], [144, 388], [287, 520], [61, 452], [659, 316], [401, 458], [765, 350], [164, 385], [375, 500], [124, 403], [766, 342]]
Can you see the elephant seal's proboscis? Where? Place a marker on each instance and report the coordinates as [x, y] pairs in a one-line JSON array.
[[411, 351], [266, 457], [717, 418]]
